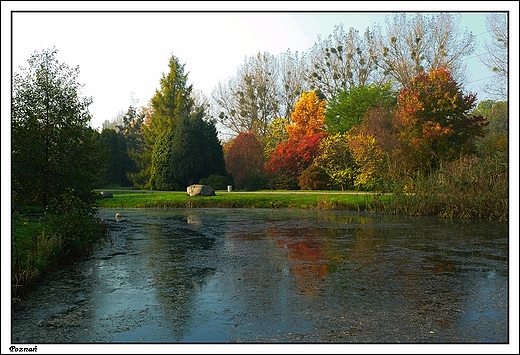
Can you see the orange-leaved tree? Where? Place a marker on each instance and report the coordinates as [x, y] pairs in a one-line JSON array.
[[292, 157], [433, 120]]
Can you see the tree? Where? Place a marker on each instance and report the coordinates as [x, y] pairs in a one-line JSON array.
[[245, 161], [433, 119], [214, 161], [121, 139], [348, 108], [314, 178], [138, 149], [308, 116], [343, 60], [186, 154], [161, 171], [116, 121], [496, 57], [416, 43], [292, 82], [115, 147], [171, 103], [335, 159], [249, 101], [276, 134], [184, 146], [53, 148], [374, 147], [495, 141], [291, 158]]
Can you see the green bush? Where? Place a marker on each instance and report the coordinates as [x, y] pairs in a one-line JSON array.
[[74, 222], [217, 182]]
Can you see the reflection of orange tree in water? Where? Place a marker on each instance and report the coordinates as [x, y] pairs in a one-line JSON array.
[[306, 248]]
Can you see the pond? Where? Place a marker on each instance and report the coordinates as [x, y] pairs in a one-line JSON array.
[[229, 276]]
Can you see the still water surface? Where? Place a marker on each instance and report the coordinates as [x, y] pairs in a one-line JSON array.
[[259, 275]]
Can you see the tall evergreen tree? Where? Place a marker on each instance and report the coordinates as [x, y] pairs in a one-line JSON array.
[[171, 103], [187, 155], [185, 146]]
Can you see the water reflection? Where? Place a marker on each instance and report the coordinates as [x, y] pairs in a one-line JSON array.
[[175, 243], [282, 273], [362, 265], [305, 247], [218, 275]]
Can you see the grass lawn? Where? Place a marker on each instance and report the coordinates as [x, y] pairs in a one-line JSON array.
[[358, 201]]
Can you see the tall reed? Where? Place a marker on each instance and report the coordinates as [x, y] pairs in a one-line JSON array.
[[469, 187]]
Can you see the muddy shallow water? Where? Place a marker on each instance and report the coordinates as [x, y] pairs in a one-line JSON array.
[[271, 276]]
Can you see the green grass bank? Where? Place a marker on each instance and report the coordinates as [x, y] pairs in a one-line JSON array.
[[332, 200]]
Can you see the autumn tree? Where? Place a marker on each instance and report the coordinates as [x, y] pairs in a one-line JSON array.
[[276, 134], [53, 150], [315, 178], [373, 145], [245, 162], [413, 43], [433, 119], [291, 158], [308, 117], [348, 108]]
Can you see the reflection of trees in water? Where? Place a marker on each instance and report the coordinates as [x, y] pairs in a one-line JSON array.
[[305, 246], [387, 266], [176, 245]]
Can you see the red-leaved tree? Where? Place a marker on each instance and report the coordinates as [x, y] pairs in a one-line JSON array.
[[245, 161], [291, 158]]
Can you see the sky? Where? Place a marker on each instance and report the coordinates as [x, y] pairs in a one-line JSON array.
[[122, 55]]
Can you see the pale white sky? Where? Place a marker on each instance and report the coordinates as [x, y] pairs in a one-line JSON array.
[[123, 54]]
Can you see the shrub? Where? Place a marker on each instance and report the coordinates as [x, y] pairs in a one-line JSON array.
[[73, 221], [314, 178], [217, 182]]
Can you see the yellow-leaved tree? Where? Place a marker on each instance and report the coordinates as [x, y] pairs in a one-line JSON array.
[[308, 117]]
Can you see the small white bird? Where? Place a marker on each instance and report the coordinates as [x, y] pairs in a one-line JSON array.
[[118, 215]]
